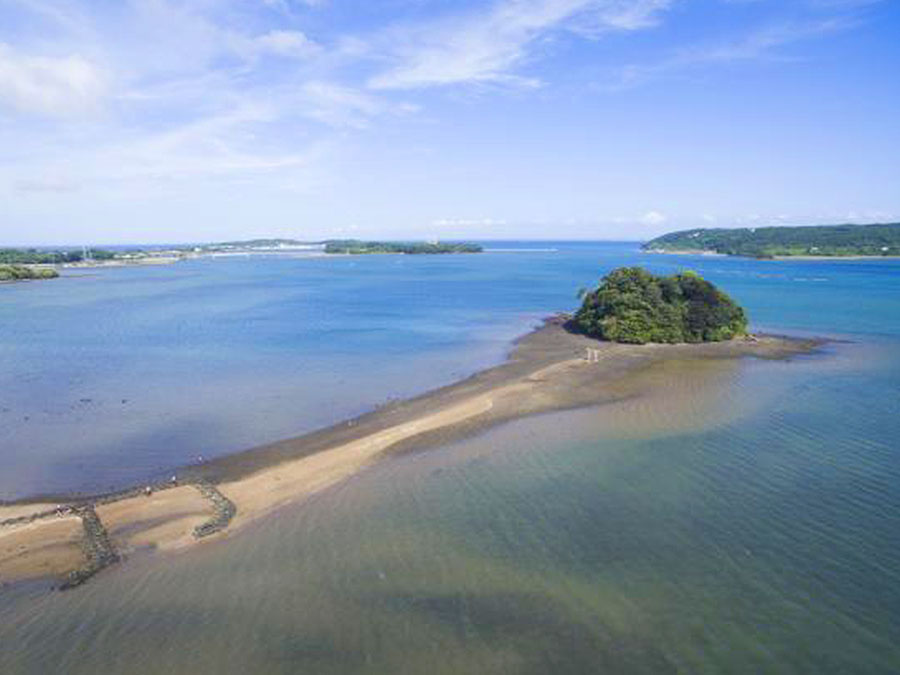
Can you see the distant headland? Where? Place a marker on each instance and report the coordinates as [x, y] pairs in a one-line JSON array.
[[46, 258], [815, 241], [356, 247]]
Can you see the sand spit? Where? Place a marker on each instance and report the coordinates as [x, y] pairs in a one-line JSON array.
[[548, 369]]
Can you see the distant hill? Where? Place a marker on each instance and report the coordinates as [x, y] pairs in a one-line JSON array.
[[356, 247], [768, 242], [255, 243]]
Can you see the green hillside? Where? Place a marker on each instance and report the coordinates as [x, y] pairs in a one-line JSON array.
[[768, 242]]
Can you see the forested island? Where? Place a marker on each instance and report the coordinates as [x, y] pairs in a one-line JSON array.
[[356, 247], [773, 242], [22, 273], [634, 306]]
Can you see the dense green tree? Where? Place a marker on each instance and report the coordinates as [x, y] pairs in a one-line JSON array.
[[632, 305], [19, 272]]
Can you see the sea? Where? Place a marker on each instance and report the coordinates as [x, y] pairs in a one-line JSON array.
[[744, 518]]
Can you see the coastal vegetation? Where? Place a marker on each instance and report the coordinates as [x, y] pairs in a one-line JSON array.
[[356, 247], [21, 273], [770, 242], [36, 256], [634, 306]]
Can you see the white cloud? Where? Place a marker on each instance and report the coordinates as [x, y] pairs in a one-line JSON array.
[[49, 86], [287, 43], [654, 218], [486, 46]]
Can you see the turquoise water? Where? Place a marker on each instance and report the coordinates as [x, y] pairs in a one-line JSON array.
[[745, 520]]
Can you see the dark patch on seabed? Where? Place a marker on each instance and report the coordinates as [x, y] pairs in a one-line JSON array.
[[536, 630]]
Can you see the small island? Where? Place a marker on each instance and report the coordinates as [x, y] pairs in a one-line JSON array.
[[633, 306], [818, 241], [356, 247], [25, 273]]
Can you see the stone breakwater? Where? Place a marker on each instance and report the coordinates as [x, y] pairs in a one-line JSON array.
[[99, 552], [223, 510], [29, 518], [97, 547]]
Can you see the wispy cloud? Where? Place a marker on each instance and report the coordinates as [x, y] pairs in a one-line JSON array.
[[487, 46], [764, 43], [290, 43], [142, 98], [49, 86], [170, 92]]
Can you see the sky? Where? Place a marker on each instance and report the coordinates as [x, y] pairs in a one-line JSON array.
[[171, 121]]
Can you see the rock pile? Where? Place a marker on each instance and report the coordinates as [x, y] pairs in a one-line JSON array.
[[223, 510], [99, 552]]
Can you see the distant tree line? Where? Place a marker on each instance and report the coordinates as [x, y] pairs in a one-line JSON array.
[[768, 242], [35, 256], [356, 247], [634, 306]]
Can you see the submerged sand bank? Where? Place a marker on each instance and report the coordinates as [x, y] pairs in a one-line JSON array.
[[547, 370]]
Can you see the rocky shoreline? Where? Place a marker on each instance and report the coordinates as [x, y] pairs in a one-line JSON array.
[[98, 548]]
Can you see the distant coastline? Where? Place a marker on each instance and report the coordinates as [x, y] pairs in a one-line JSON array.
[[713, 254], [547, 370], [357, 247], [815, 242], [50, 258]]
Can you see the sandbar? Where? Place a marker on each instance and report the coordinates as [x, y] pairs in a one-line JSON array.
[[547, 369]]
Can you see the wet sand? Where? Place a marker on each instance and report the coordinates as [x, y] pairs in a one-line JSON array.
[[546, 370]]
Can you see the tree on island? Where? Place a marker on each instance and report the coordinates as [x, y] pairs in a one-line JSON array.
[[634, 306]]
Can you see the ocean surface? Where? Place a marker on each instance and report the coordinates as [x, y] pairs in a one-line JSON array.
[[743, 519]]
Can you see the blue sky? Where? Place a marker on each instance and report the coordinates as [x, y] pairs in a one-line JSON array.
[[162, 121]]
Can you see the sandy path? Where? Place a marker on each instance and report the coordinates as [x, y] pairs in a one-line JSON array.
[[270, 488]]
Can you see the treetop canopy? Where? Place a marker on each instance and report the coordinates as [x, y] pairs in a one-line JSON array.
[[634, 306]]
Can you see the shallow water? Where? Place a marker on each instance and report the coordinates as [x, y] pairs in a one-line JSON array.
[[744, 519]]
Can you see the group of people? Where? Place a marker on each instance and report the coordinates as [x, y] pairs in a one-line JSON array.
[[173, 481]]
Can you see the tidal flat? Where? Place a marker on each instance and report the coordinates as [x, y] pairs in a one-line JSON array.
[[548, 369]]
